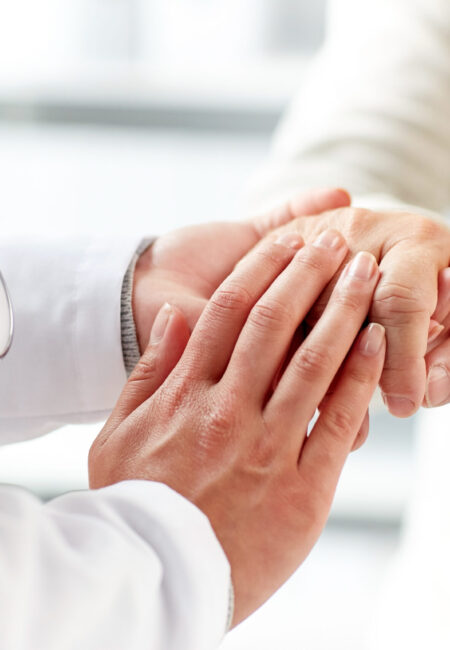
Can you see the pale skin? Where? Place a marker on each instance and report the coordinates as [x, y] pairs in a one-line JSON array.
[[412, 300], [209, 415]]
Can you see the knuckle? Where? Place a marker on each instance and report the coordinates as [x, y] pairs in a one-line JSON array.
[[402, 361], [145, 369], [218, 425], [355, 221], [231, 298], [313, 262], [311, 362], [339, 423], [362, 374], [349, 301], [272, 255], [176, 393], [427, 229], [393, 301], [270, 314]]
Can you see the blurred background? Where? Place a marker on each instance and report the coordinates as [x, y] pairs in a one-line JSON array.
[[148, 115]]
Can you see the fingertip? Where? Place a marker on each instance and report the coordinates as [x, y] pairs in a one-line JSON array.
[[342, 198], [332, 198], [160, 324], [169, 321], [320, 200], [399, 406], [290, 239]]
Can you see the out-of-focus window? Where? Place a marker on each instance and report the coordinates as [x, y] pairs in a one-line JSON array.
[[53, 35]]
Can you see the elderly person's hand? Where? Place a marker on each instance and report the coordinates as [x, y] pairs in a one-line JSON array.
[[225, 430], [412, 300]]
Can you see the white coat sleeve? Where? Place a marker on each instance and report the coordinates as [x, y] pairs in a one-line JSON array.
[[373, 113], [132, 566], [65, 365]]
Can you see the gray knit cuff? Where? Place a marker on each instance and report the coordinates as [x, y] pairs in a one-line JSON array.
[[130, 346]]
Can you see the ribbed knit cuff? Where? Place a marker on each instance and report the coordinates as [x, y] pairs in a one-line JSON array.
[[130, 345]]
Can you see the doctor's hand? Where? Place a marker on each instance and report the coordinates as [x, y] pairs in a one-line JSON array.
[[225, 430], [186, 266], [412, 300]]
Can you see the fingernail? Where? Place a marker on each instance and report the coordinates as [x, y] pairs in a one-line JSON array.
[[372, 340], [329, 239], [160, 324], [401, 407], [290, 240], [438, 386], [363, 266]]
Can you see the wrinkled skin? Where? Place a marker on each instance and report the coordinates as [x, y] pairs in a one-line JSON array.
[[414, 255]]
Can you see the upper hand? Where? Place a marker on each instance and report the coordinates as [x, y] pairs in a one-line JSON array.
[[413, 252], [186, 266], [218, 430]]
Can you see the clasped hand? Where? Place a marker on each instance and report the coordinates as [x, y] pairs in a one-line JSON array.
[[412, 300], [212, 416]]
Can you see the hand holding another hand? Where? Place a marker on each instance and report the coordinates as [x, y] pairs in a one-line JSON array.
[[204, 415], [412, 299], [185, 267]]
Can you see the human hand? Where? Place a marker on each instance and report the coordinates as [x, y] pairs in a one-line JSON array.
[[186, 266], [412, 250], [438, 357], [222, 433]]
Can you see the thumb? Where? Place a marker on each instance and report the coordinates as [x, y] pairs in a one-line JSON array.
[[308, 203], [168, 339]]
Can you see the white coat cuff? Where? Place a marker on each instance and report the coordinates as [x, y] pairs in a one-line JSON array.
[[97, 328], [196, 578]]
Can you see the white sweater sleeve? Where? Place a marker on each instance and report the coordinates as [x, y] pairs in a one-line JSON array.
[[132, 566], [373, 113], [65, 364]]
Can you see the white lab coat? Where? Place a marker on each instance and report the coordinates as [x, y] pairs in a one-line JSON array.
[[374, 117], [134, 566]]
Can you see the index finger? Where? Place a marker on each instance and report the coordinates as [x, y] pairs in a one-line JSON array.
[[403, 303]]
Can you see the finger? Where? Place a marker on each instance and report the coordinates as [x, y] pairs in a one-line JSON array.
[[404, 302], [363, 433], [438, 376], [311, 203], [333, 436], [442, 310], [169, 337], [435, 329], [364, 429], [312, 369], [273, 321], [217, 331]]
